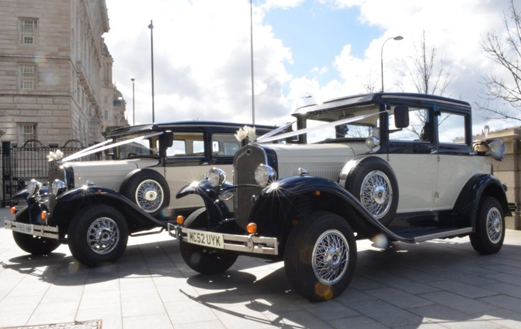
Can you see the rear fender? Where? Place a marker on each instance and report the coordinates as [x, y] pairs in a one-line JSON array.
[[477, 187]]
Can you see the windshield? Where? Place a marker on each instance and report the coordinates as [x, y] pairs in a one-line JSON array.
[[359, 129], [135, 147]]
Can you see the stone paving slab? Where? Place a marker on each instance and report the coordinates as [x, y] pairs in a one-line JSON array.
[[434, 285]]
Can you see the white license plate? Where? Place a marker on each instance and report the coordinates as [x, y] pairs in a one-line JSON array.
[[203, 238], [24, 228]]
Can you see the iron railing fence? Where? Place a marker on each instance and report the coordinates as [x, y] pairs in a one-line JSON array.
[[19, 165]]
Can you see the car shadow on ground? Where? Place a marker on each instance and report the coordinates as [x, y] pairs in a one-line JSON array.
[[439, 282]]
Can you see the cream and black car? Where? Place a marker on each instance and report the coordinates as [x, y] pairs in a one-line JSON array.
[[391, 167], [94, 206]]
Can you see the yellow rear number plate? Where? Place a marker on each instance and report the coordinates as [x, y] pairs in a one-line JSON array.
[[203, 238]]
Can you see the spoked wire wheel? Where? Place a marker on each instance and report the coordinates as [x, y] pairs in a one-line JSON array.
[[376, 193], [494, 225], [103, 235], [149, 195], [330, 257]]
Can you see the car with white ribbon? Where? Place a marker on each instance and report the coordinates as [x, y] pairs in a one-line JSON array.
[[390, 167]]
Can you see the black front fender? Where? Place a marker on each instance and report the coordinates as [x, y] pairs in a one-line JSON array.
[[217, 210], [308, 187], [72, 201]]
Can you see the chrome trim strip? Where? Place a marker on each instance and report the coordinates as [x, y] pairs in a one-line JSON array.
[[443, 234], [43, 231], [427, 100], [235, 242]]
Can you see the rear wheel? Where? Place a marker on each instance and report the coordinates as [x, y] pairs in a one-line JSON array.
[[33, 244], [320, 256], [202, 259], [97, 235], [490, 227]]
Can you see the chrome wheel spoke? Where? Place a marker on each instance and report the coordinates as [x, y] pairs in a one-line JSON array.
[[376, 194], [103, 235], [330, 257]]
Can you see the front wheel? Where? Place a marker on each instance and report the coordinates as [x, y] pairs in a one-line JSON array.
[[97, 235], [201, 259], [490, 227], [33, 244], [320, 256]]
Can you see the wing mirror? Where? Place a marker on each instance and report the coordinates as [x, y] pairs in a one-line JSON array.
[[401, 116]]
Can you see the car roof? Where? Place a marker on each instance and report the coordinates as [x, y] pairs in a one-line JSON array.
[[211, 125], [382, 98]]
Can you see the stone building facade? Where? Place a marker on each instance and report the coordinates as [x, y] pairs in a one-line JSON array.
[[56, 72]]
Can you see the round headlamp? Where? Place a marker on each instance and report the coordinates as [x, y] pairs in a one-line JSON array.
[[33, 187], [264, 174], [372, 142], [216, 177], [58, 187]]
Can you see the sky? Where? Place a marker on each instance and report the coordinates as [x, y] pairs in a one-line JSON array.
[[304, 51]]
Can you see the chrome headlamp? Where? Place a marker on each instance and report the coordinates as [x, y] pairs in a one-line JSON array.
[[216, 177], [264, 174], [372, 142], [58, 187], [33, 187]]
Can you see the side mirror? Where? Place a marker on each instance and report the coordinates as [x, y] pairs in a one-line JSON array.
[[401, 116], [168, 139]]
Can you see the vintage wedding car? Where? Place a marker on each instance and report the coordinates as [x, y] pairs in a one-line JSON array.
[[94, 206], [382, 166]]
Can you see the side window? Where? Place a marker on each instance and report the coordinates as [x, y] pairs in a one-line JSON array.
[[187, 144], [419, 128], [451, 128], [224, 145]]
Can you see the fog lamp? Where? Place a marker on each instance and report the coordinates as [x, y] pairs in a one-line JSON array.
[[372, 142]]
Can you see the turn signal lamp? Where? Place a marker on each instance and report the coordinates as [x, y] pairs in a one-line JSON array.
[[44, 215], [180, 220], [251, 228], [13, 210]]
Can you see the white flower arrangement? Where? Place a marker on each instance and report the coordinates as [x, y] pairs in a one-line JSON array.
[[247, 133], [55, 156]]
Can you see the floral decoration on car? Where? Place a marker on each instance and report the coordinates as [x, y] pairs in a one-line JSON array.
[[247, 133], [55, 156]]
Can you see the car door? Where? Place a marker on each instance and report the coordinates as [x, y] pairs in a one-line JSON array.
[[456, 164], [191, 156], [412, 155]]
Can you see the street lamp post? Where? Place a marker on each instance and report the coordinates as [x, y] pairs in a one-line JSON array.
[[133, 101], [397, 38], [251, 61], [151, 27]]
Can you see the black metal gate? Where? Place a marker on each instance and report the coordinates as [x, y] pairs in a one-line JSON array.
[[21, 164]]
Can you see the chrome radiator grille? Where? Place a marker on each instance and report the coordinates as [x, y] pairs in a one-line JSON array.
[[245, 162]]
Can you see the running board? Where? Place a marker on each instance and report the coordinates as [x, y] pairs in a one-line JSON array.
[[446, 234]]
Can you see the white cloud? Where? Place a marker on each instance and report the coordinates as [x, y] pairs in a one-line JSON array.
[[201, 60]]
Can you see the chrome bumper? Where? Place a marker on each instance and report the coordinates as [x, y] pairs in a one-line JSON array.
[[43, 231], [235, 242]]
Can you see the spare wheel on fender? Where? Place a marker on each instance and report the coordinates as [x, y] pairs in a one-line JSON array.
[[372, 181], [148, 189]]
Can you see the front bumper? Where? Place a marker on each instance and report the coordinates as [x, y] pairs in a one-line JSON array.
[[43, 231], [232, 242]]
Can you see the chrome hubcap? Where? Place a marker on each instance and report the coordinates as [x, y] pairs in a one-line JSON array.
[[330, 257], [376, 194], [103, 235], [494, 225], [149, 195]]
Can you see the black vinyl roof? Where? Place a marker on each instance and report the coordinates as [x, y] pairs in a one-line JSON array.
[[382, 98], [186, 125]]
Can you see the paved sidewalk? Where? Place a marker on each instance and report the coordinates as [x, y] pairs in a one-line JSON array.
[[438, 284]]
